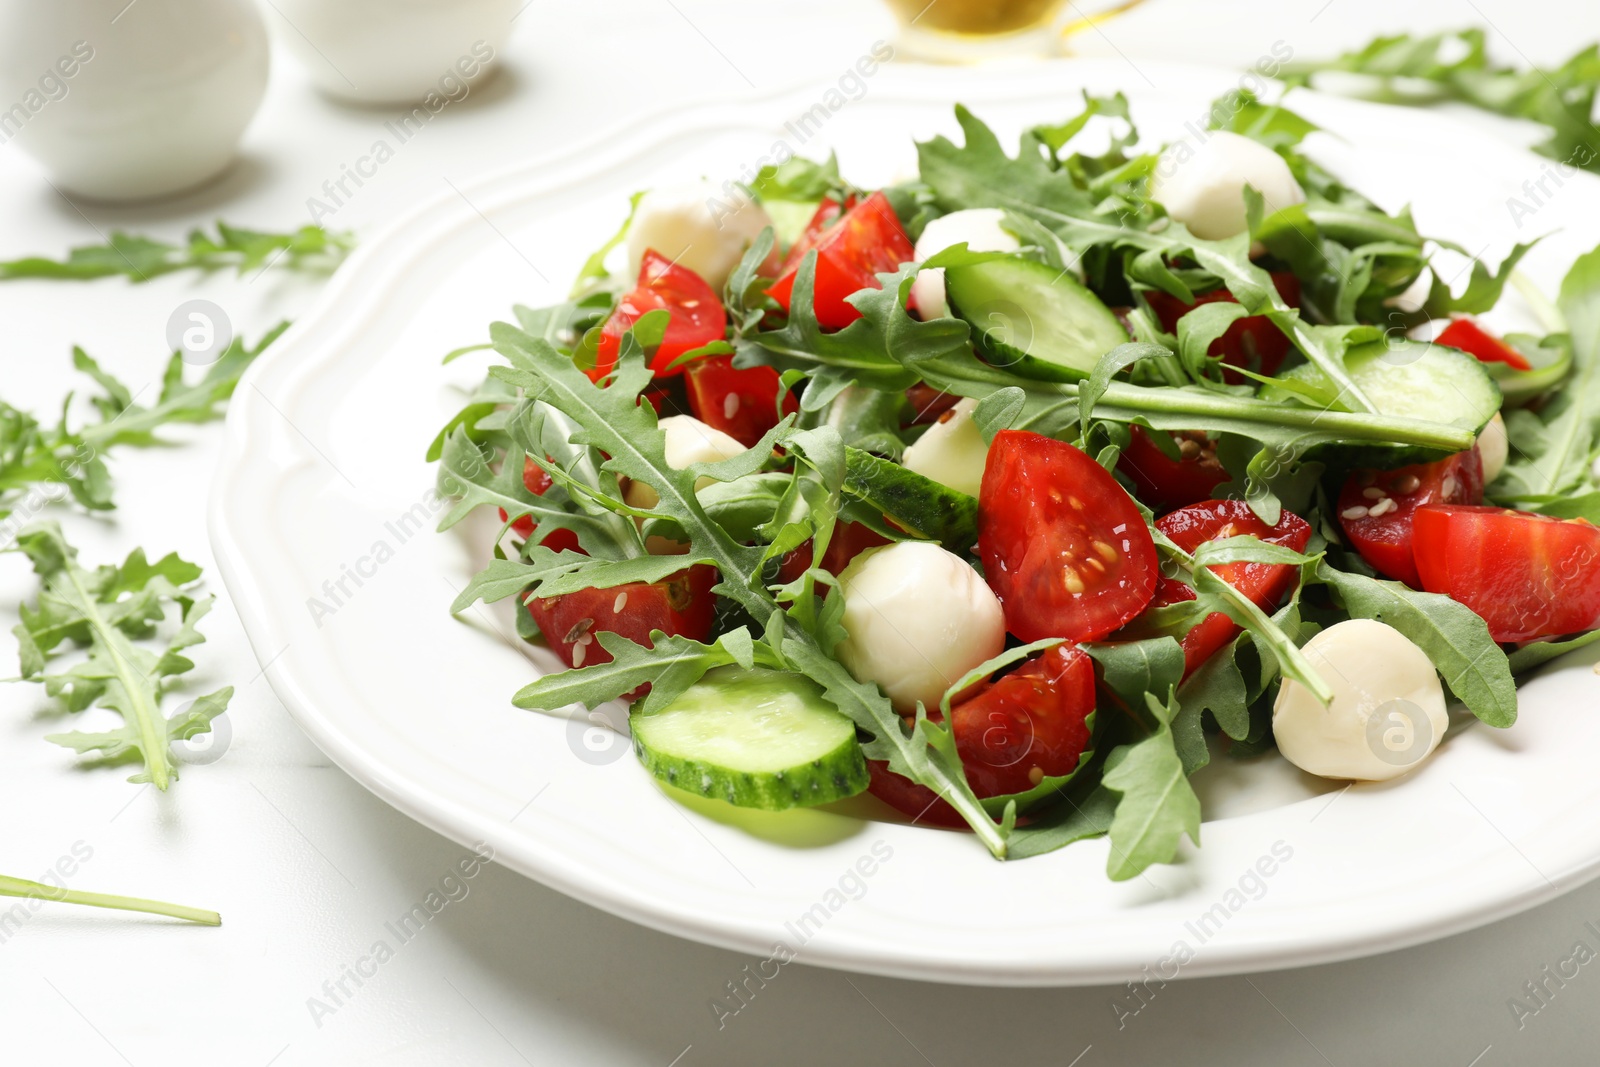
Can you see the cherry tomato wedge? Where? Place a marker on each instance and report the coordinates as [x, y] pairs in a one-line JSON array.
[[1527, 575], [1164, 483], [1465, 333], [1264, 583], [697, 316], [1017, 730], [1376, 508], [865, 242], [536, 481], [1253, 343], [682, 605], [828, 212], [742, 403], [1063, 545]]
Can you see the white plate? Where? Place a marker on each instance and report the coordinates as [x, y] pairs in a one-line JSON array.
[[323, 485]]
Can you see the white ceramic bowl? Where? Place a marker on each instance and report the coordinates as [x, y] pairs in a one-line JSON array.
[[395, 51], [127, 101]]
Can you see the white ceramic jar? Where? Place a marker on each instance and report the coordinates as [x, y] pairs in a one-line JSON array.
[[395, 51], [125, 101]]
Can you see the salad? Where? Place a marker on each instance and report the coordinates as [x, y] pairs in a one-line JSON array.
[[1016, 493]]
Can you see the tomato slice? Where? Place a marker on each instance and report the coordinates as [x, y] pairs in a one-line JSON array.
[[697, 316], [682, 605], [1529, 576], [1164, 483], [536, 481], [741, 403], [1377, 508], [1465, 333], [1264, 583], [1253, 343], [828, 212], [1063, 545], [866, 241], [1023, 727]]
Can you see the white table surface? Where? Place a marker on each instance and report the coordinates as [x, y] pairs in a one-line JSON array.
[[307, 867]]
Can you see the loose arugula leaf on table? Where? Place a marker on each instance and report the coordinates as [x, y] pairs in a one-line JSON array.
[[109, 611], [1456, 66], [29, 890], [33, 454], [139, 259], [614, 422]]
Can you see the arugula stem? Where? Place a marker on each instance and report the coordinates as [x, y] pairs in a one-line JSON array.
[[152, 727], [21, 887]]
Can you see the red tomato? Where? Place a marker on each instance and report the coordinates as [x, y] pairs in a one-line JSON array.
[[1376, 508], [698, 317], [1023, 727], [1164, 483], [681, 605], [1528, 575], [828, 212], [1253, 343], [1464, 333], [536, 481], [849, 540], [1063, 545], [867, 241], [928, 404], [741, 403], [1264, 583]]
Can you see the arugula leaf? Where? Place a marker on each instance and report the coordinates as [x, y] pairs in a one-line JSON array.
[[1452, 634], [107, 610], [310, 248], [1528, 657], [1553, 451], [613, 421], [1457, 67], [34, 456], [670, 666], [28, 890], [1158, 804]]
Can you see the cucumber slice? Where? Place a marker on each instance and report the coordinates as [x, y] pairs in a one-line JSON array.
[[1033, 319], [756, 738], [1408, 379]]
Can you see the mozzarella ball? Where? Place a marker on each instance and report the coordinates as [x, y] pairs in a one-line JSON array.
[[1493, 448], [917, 618], [1387, 713], [978, 228], [688, 441], [698, 226], [952, 452], [1202, 185]]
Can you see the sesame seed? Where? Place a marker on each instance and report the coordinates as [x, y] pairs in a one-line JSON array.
[[730, 405], [1449, 487], [1373, 493], [1357, 512], [620, 603], [1383, 507]]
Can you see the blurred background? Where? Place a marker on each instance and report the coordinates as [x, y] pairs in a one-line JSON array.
[[180, 112]]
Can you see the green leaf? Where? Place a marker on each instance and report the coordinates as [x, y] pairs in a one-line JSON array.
[[139, 259], [1455, 638], [1528, 657], [110, 610], [1158, 805]]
